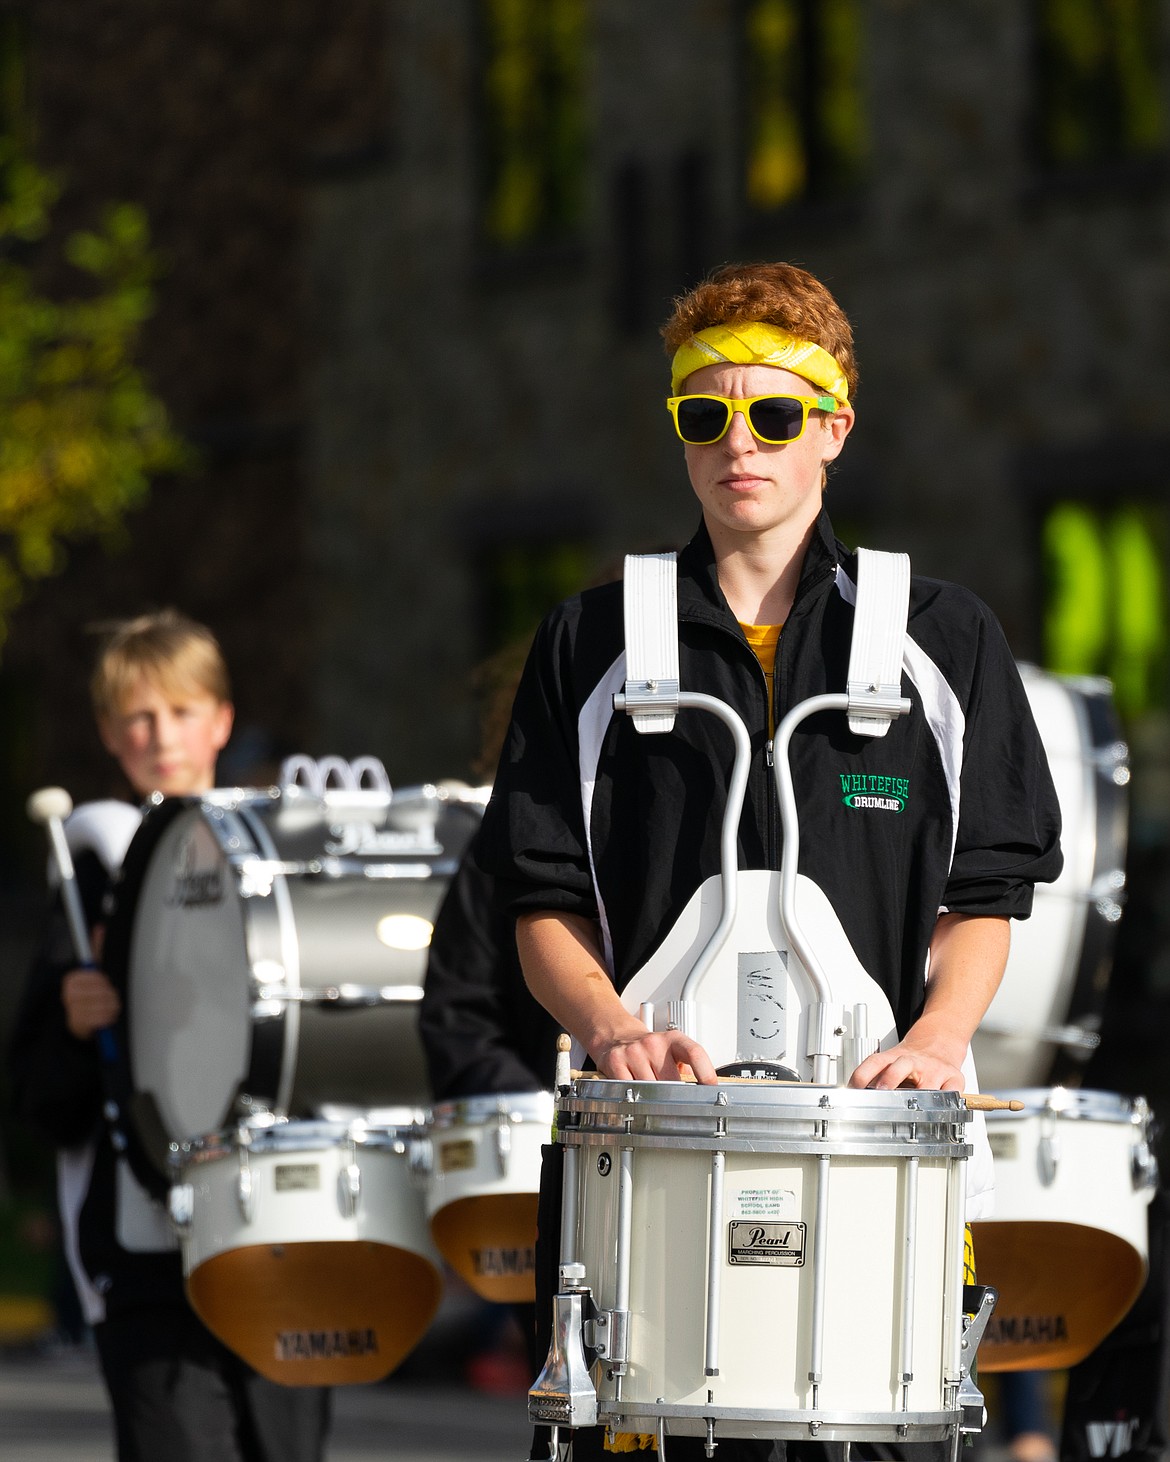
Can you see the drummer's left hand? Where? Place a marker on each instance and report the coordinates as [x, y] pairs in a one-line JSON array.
[[917, 1060]]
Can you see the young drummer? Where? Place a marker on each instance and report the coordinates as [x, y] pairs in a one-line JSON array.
[[163, 707], [599, 836]]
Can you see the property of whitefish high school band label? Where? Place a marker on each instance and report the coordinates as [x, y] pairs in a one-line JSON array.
[[764, 1229]]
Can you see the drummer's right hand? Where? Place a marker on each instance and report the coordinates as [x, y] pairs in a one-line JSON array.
[[91, 1002], [654, 1056]]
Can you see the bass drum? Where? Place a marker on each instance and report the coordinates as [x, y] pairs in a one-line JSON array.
[[271, 948], [1047, 1010]]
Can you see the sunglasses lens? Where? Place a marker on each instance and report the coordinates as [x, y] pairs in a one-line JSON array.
[[700, 420], [777, 418]]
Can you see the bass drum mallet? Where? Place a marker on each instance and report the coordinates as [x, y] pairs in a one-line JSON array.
[[49, 807]]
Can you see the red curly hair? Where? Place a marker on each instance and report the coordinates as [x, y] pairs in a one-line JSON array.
[[774, 294]]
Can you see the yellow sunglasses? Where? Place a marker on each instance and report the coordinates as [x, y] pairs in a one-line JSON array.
[[702, 419]]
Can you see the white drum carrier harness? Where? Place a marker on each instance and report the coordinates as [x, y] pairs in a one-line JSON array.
[[758, 966]]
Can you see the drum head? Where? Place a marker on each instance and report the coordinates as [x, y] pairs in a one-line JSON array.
[[1058, 966], [175, 950], [188, 988], [271, 950]]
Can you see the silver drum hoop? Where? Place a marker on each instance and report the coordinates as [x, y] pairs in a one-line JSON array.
[[476, 1111], [765, 1117], [290, 1137], [1070, 1103]]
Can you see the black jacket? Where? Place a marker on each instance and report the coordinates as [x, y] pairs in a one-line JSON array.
[[59, 1089], [592, 818], [481, 1029]]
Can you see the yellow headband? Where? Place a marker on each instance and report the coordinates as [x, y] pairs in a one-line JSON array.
[[752, 343]]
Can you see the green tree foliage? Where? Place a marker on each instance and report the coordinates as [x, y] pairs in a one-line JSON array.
[[81, 433]]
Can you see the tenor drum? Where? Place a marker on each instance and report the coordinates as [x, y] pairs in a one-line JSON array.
[[1053, 991], [271, 948], [1067, 1248], [305, 1246], [485, 1177], [768, 1260]]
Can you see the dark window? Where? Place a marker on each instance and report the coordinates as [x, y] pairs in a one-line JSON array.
[[804, 128], [1098, 81], [533, 120]]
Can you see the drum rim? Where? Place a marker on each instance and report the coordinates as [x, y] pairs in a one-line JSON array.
[[919, 1103], [311, 1135], [476, 1111], [1087, 1104]]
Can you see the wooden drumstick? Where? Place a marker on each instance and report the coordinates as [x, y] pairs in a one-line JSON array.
[[979, 1101], [563, 1075]]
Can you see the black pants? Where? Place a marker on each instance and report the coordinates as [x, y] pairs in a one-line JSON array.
[[588, 1443], [1118, 1398], [179, 1395]]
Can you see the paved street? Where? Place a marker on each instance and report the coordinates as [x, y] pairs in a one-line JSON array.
[[53, 1409]]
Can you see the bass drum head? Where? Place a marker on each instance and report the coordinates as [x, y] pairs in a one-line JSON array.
[[271, 947], [187, 991], [1058, 967]]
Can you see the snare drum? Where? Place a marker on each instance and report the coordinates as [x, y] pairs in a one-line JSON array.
[[271, 947], [768, 1260], [1053, 990], [1067, 1248], [305, 1247], [485, 1177]]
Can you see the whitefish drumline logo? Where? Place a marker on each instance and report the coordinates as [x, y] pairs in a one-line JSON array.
[[294, 1345], [867, 792]]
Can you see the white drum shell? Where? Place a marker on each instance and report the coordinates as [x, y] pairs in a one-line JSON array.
[[1067, 1247], [487, 1145], [296, 1173], [879, 1248], [1074, 1157]]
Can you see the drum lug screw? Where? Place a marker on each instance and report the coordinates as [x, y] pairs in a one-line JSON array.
[[349, 1189], [245, 1188], [503, 1143], [181, 1204], [349, 1184]]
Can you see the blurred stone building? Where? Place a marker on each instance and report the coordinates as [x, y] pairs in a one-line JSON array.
[[416, 256]]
